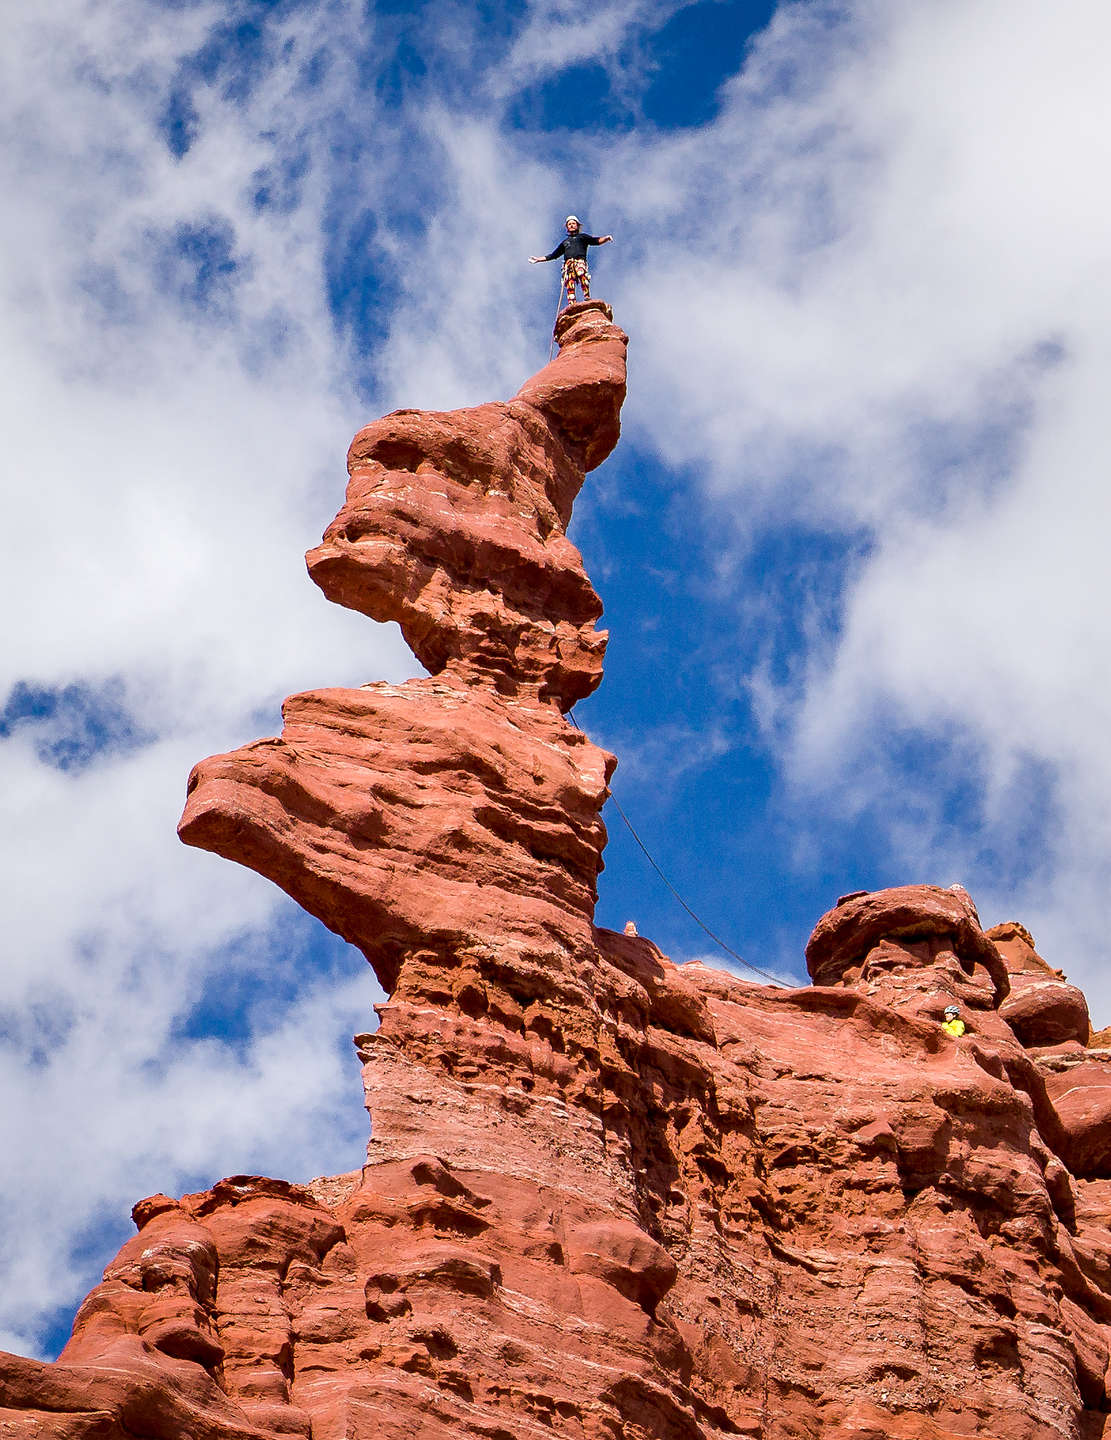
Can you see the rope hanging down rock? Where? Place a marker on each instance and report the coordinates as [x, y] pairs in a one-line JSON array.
[[559, 307], [696, 918]]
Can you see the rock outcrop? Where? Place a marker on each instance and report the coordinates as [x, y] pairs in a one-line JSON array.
[[605, 1197]]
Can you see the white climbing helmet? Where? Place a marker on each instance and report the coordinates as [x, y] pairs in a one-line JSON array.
[[572, 220]]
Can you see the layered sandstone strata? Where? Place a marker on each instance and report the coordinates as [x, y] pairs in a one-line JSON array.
[[605, 1197]]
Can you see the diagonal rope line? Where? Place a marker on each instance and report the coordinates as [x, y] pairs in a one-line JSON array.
[[559, 307], [697, 919]]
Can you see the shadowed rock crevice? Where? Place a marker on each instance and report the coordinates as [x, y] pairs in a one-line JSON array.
[[605, 1197]]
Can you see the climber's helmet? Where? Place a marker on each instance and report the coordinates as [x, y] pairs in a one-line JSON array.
[[571, 220], [952, 1011]]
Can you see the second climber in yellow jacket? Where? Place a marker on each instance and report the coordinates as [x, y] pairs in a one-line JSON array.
[[953, 1023]]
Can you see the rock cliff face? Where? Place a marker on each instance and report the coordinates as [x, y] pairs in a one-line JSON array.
[[605, 1197]]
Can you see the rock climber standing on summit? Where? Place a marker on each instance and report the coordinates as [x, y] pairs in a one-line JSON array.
[[573, 250]]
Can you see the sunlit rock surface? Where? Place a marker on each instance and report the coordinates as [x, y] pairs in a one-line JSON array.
[[605, 1197]]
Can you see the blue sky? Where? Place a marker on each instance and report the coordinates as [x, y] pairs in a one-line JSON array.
[[851, 547]]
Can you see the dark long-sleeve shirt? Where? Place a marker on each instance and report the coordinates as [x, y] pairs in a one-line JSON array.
[[574, 247]]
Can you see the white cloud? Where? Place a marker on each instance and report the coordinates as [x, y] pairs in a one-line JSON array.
[[460, 334], [867, 248], [560, 34]]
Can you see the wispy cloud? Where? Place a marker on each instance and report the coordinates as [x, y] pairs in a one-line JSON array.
[[560, 34]]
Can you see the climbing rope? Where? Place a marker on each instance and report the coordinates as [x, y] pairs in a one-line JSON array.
[[559, 307], [697, 919]]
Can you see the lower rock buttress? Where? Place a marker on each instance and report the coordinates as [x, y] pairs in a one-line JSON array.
[[605, 1196]]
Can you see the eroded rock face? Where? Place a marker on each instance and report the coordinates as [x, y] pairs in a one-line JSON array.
[[1042, 1007], [429, 816], [605, 1197], [919, 920], [454, 524]]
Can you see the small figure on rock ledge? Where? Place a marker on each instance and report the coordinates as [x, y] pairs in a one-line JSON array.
[[953, 1024], [573, 250]]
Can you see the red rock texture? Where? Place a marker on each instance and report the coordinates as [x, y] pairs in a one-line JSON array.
[[429, 816], [843, 945], [605, 1197], [454, 524], [1042, 1007]]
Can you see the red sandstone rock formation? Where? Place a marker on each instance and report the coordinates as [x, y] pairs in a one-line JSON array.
[[605, 1197]]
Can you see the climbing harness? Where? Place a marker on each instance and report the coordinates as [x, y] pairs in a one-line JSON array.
[[697, 920]]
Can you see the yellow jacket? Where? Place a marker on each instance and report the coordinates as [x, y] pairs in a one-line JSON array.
[[956, 1026]]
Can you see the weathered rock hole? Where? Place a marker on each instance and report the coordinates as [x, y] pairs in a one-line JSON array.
[[543, 1028], [437, 1341], [443, 1215], [386, 1283], [436, 1173], [998, 1350], [471, 1001], [157, 1277], [383, 1310], [396, 454]]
